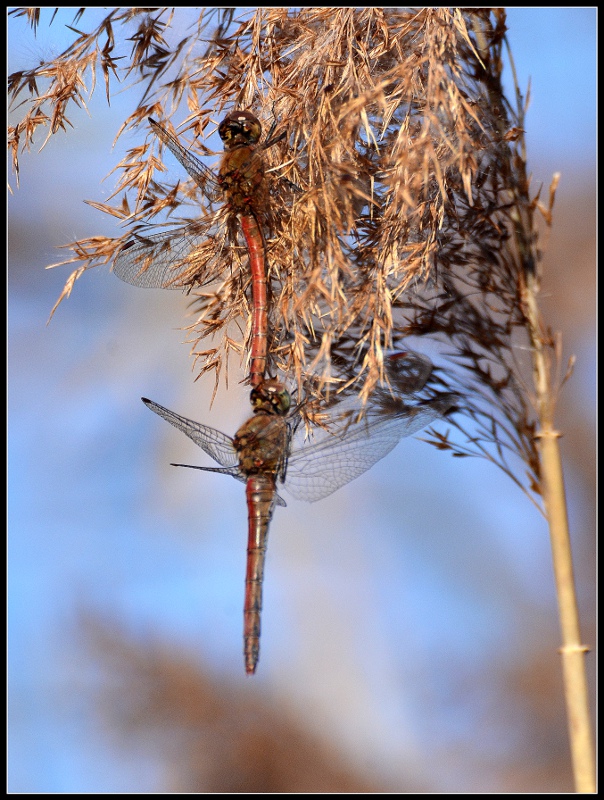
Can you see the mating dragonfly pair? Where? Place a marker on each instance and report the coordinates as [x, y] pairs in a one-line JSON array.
[[271, 449]]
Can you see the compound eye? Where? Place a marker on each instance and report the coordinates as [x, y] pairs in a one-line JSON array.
[[280, 399], [256, 398], [224, 130], [253, 131]]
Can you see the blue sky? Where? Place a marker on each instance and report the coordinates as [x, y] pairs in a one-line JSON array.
[[370, 594]]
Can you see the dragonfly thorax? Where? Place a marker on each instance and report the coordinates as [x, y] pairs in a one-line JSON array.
[[261, 444], [241, 177], [241, 172]]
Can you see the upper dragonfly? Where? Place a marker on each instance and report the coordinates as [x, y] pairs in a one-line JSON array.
[[271, 447], [193, 255]]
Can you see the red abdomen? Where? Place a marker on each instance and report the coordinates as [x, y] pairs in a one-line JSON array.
[[260, 494]]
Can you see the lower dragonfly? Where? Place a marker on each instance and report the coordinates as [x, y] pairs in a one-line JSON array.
[[194, 255], [270, 447]]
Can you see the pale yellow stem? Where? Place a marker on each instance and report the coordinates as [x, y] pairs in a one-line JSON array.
[[552, 483]]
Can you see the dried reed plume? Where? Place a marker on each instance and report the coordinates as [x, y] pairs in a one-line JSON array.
[[398, 205]]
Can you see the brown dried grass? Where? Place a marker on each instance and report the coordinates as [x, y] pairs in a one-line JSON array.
[[399, 140]]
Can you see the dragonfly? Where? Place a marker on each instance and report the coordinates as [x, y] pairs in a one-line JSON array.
[[193, 255], [271, 448]]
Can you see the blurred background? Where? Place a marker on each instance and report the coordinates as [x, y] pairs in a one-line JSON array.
[[410, 626]]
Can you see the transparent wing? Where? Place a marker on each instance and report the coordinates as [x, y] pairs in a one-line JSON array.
[[234, 471], [193, 255], [328, 461], [184, 257], [202, 176], [408, 371], [405, 373], [217, 445]]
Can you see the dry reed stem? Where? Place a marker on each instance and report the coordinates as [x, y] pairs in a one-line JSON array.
[[552, 483]]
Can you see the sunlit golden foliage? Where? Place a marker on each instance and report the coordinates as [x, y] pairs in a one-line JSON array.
[[397, 201]]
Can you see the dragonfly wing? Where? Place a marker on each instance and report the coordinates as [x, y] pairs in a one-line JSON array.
[[202, 176], [216, 444], [408, 371], [188, 256], [332, 460]]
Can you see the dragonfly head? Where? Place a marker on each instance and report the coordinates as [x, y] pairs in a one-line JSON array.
[[271, 397], [239, 128]]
